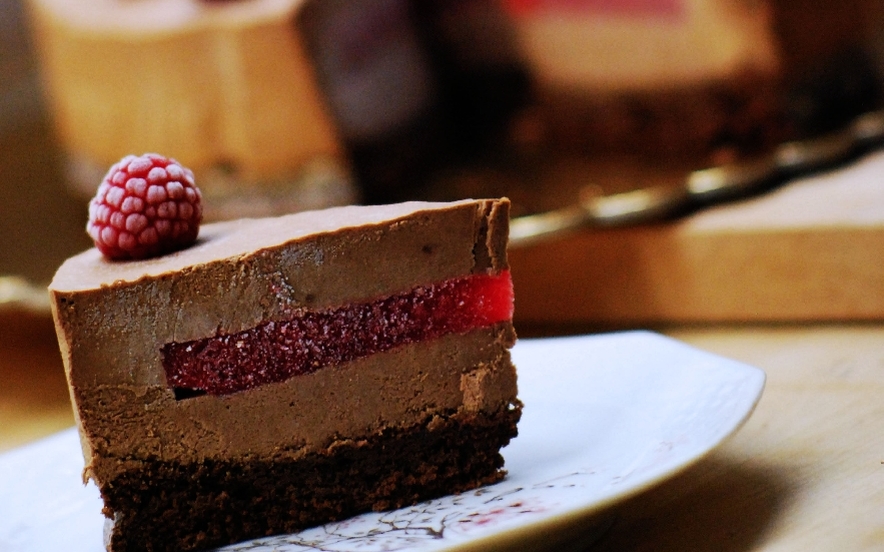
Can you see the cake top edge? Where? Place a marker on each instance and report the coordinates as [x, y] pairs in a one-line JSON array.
[[233, 239], [155, 19]]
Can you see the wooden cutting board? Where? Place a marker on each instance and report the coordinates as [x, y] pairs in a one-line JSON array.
[[810, 250]]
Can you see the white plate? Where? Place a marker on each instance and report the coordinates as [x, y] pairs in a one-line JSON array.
[[605, 417]]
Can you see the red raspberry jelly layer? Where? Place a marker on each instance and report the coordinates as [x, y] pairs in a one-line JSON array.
[[276, 351]]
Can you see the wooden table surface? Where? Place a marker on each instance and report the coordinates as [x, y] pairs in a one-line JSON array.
[[805, 473]]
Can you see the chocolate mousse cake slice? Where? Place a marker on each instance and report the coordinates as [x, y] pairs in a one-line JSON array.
[[282, 373]]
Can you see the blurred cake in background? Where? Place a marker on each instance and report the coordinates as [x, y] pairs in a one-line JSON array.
[[623, 94], [653, 76], [224, 87], [380, 83], [689, 77], [441, 99]]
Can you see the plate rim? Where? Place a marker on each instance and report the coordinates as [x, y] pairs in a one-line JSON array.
[[573, 515]]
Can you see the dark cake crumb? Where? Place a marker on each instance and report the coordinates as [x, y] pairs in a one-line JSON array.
[[224, 502]]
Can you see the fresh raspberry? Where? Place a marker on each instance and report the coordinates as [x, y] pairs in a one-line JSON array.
[[145, 207]]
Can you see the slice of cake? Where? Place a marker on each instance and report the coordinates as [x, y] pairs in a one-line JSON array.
[[695, 81], [282, 373], [671, 78]]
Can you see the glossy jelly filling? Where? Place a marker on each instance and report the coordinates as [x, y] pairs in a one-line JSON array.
[[276, 351]]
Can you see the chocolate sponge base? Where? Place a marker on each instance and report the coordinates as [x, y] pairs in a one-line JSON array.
[[194, 506]]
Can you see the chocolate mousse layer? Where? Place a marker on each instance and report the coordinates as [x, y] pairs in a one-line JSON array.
[[472, 373], [113, 319]]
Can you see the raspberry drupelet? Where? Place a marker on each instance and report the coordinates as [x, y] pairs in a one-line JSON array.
[[146, 206]]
